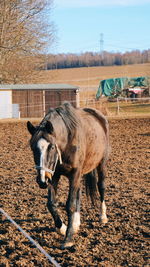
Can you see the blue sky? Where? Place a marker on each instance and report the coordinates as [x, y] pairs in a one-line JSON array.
[[125, 25]]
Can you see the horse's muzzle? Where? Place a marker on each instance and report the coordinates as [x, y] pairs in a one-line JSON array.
[[41, 184], [44, 184]]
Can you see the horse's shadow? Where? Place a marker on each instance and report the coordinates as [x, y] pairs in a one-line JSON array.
[[41, 229]]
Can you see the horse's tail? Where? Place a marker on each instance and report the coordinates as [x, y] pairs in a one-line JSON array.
[[91, 186]]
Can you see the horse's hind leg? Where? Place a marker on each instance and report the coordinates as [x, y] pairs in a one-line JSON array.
[[101, 188]]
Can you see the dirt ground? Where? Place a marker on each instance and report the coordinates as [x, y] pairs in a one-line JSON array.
[[123, 241]]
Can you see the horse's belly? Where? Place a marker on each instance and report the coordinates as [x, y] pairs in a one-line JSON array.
[[92, 161], [94, 154]]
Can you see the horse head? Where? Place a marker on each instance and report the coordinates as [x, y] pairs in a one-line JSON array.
[[45, 151]]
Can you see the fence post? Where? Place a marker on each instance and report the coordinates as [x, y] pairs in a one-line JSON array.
[[118, 108], [44, 111]]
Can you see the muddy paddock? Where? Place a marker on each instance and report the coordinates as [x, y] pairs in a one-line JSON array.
[[123, 241]]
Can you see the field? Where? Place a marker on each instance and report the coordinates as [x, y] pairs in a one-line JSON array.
[[90, 77], [124, 241], [88, 80]]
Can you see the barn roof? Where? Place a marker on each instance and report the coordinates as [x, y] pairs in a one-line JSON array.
[[54, 86]]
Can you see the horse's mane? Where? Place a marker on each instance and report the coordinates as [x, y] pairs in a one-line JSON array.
[[67, 113]]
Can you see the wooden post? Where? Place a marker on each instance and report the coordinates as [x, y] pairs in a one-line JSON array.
[[118, 108], [77, 98], [44, 103]]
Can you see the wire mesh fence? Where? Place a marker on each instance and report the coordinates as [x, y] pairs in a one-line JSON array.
[[114, 107]]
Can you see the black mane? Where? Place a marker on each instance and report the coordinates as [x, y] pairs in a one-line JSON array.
[[67, 113]]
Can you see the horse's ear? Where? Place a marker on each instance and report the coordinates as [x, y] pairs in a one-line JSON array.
[[30, 128], [49, 127]]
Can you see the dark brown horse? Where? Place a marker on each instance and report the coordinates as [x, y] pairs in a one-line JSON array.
[[74, 143]]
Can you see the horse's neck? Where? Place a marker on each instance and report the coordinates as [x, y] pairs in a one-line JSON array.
[[61, 133]]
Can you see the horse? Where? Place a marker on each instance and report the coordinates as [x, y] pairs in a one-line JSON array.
[[71, 142]]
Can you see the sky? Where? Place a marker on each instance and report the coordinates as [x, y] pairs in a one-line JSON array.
[[101, 25]]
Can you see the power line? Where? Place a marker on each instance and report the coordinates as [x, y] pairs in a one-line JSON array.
[[101, 43]]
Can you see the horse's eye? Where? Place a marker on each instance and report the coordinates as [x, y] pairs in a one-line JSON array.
[[53, 146]]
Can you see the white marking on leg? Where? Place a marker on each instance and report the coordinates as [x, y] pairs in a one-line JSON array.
[[103, 215], [62, 229], [76, 222]]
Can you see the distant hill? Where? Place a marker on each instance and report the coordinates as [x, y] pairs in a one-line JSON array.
[[90, 76]]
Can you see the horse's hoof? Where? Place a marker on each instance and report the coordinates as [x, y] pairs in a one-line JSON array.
[[66, 245], [62, 230], [103, 219]]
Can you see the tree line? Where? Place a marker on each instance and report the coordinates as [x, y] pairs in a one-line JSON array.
[[90, 59]]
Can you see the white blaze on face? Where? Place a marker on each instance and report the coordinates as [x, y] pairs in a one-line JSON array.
[[42, 144]]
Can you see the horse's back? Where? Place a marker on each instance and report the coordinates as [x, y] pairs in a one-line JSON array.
[[99, 116], [93, 119], [94, 138]]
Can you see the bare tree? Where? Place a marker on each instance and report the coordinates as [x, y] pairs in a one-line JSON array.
[[25, 33]]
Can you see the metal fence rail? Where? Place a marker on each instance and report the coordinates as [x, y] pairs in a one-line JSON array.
[[54, 262]]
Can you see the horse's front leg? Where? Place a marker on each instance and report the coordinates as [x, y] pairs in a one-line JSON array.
[[52, 207], [73, 209]]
